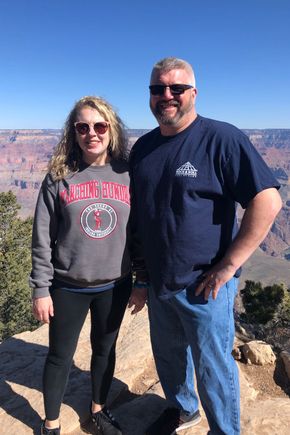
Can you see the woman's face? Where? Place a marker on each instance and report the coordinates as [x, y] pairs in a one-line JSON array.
[[93, 143]]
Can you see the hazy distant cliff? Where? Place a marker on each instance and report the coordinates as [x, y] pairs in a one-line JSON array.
[[24, 155]]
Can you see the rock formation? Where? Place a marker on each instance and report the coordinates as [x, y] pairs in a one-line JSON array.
[[136, 395]]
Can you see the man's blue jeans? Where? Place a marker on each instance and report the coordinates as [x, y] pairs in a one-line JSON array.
[[188, 335]]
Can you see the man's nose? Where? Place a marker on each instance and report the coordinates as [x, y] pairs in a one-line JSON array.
[[167, 93]]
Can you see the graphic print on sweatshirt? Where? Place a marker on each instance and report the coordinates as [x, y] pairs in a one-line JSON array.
[[98, 219]]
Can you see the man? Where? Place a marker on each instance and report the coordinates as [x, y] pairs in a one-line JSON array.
[[187, 176]]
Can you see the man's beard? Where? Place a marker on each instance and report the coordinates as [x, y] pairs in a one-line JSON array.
[[167, 119]]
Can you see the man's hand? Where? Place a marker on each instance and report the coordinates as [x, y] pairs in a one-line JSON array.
[[214, 279], [137, 299], [43, 309]]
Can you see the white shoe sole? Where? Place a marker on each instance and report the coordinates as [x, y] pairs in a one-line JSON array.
[[186, 425]]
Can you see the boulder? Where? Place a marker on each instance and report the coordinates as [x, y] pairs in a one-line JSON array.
[[258, 352], [236, 352], [286, 360]]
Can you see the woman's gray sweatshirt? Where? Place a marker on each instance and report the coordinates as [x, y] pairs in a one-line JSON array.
[[80, 229]]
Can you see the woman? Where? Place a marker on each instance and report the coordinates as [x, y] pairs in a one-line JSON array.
[[80, 256]]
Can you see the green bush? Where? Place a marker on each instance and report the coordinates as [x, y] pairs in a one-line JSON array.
[[265, 304], [15, 266]]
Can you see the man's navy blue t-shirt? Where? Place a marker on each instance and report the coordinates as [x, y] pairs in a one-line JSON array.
[[184, 194]]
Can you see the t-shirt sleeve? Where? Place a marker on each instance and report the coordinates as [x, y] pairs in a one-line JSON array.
[[245, 172]]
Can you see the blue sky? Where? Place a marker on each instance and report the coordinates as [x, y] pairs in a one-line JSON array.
[[52, 52]]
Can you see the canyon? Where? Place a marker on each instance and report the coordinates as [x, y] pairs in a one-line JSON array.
[[24, 155]]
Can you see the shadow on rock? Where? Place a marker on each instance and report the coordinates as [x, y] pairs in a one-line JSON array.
[[138, 413], [21, 381]]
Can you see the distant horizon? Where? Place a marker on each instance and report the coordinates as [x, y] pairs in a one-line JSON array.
[[132, 129]]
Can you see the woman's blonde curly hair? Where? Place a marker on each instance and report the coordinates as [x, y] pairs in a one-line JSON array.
[[67, 155]]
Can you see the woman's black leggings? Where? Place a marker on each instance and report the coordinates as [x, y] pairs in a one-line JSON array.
[[70, 310]]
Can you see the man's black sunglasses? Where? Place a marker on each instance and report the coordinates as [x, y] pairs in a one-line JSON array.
[[174, 89]]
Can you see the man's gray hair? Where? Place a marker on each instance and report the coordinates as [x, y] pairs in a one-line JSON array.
[[169, 63]]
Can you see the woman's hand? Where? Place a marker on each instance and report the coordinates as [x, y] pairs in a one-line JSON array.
[[137, 299], [43, 309]]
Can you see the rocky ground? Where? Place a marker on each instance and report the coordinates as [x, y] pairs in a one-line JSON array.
[[269, 381], [136, 396]]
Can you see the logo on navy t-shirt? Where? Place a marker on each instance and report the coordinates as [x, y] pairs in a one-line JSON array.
[[186, 170]]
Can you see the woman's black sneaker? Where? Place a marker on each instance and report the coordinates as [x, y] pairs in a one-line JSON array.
[[106, 423], [45, 431]]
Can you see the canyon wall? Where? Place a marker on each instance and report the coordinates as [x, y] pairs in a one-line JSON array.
[[24, 155]]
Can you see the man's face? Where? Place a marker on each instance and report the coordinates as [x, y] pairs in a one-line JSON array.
[[171, 110]]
